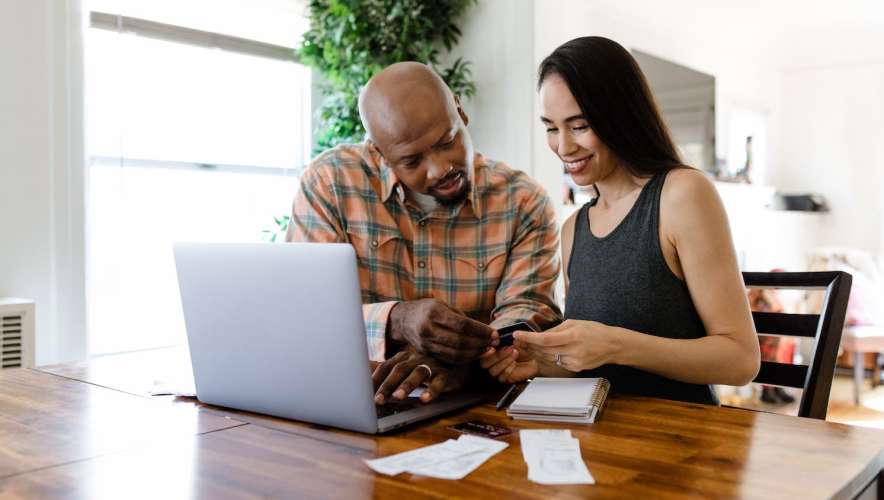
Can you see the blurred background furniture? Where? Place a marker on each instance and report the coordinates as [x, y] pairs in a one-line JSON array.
[[863, 338], [863, 345]]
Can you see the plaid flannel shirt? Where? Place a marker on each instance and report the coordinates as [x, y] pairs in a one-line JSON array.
[[494, 256]]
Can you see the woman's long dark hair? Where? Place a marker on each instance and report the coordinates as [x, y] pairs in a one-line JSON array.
[[614, 96]]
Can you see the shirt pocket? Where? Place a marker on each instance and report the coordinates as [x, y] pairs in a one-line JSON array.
[[379, 247], [486, 269], [380, 265]]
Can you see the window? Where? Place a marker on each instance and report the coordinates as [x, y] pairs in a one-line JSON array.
[[192, 136]]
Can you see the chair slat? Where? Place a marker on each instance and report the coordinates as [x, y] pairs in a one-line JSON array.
[[772, 373], [795, 325], [798, 281]]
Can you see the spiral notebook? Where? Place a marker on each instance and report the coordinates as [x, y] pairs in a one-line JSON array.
[[574, 400]]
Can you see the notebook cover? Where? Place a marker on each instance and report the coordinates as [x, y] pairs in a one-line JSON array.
[[577, 400]]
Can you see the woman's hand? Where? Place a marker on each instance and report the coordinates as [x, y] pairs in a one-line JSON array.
[[508, 365], [580, 345]]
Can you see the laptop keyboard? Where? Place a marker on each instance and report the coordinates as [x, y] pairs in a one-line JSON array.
[[393, 407]]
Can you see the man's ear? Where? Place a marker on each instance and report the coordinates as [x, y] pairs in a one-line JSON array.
[[461, 112], [374, 147]]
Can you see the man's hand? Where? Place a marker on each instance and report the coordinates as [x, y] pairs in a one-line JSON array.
[[401, 374], [433, 328]]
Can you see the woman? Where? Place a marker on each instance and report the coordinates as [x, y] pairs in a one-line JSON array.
[[655, 300]]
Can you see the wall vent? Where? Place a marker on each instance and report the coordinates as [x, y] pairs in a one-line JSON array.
[[16, 333]]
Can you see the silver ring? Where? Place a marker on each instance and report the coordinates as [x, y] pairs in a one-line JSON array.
[[429, 370], [558, 359]]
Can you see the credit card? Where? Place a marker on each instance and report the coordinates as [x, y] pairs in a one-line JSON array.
[[479, 428], [506, 333]]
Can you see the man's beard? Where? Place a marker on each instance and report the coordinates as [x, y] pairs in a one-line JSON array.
[[459, 196], [450, 202]]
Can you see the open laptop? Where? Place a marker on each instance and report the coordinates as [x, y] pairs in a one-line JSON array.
[[277, 329]]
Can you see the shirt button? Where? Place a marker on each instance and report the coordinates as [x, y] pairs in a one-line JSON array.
[[481, 266], [421, 264], [374, 244], [422, 223]]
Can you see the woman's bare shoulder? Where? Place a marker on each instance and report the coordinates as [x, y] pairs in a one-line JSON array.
[[690, 201], [687, 182]]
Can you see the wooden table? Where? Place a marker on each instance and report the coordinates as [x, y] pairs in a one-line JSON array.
[[91, 430]]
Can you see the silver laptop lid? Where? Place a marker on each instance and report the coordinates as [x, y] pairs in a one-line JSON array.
[[278, 329]]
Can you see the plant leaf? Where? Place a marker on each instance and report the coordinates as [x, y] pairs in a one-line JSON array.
[[351, 40]]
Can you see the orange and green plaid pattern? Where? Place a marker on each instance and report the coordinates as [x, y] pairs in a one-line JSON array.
[[494, 256]]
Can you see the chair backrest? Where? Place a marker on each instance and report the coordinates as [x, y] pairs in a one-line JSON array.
[[815, 378]]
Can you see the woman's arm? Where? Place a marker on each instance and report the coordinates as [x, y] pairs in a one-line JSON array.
[[693, 223]]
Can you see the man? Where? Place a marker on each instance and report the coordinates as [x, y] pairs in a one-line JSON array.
[[447, 241]]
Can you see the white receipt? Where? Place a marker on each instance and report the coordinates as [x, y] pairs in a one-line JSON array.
[[449, 460], [529, 437], [553, 457]]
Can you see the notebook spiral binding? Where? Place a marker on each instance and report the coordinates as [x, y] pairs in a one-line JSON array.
[[601, 392]]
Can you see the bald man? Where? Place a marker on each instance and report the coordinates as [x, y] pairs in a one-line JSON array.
[[450, 245]]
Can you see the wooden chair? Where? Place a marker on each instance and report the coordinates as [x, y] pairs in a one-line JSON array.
[[815, 378]]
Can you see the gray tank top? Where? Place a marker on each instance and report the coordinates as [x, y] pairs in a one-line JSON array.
[[623, 280]]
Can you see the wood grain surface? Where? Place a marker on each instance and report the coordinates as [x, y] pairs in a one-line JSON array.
[[47, 420], [640, 448]]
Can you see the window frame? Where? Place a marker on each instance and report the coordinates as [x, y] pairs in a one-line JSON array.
[[190, 36]]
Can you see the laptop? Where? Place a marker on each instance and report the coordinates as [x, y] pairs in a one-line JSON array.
[[276, 328]]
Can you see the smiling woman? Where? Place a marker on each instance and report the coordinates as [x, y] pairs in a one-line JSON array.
[[655, 300]]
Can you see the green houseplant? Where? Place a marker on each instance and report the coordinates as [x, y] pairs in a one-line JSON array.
[[278, 230], [351, 40]]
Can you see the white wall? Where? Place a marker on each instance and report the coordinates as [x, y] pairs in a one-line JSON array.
[[832, 142], [497, 39], [41, 170]]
